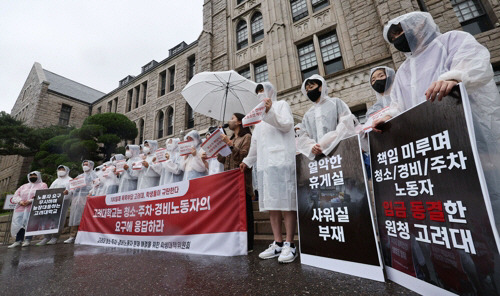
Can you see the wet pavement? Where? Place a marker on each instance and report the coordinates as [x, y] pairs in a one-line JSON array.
[[88, 270]]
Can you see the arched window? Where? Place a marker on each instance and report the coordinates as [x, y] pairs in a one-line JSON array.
[[257, 26], [159, 122], [241, 35], [170, 121], [141, 131]]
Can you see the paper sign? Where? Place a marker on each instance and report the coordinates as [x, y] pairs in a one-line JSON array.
[[161, 155], [213, 144], [367, 127], [255, 116], [119, 165], [77, 183], [137, 165], [185, 147], [8, 204]]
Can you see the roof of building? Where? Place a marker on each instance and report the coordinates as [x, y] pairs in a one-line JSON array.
[[73, 89]]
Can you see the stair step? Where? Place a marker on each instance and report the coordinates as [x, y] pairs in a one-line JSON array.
[[270, 238]]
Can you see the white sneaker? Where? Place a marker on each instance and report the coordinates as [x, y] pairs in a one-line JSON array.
[[26, 243], [288, 254], [69, 240], [273, 251], [43, 242], [16, 244], [52, 241]]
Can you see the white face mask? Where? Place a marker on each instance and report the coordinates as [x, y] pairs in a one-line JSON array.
[[61, 173], [86, 168], [146, 150], [128, 154], [261, 96], [170, 147]]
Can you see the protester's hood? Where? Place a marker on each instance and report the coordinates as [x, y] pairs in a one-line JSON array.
[[419, 29], [38, 174]]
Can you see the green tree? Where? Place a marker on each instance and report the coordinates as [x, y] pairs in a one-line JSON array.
[[96, 140], [16, 138]]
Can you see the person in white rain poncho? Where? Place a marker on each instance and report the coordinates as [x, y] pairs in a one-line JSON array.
[[214, 166], [79, 199], [381, 79], [109, 180], [193, 164], [62, 181], [98, 181], [23, 198], [170, 171], [148, 177], [434, 64], [273, 148], [327, 122], [128, 178]]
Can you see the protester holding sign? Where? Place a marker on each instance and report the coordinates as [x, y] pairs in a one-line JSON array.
[[239, 143], [98, 181], [62, 181], [110, 182], [381, 79], [170, 170], [273, 148], [193, 165], [435, 63], [214, 166], [148, 177], [79, 198], [323, 119], [128, 179], [23, 197]]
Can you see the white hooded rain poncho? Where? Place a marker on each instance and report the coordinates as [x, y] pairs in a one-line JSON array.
[[110, 182], [62, 181], [25, 193], [383, 99], [79, 195], [193, 166], [273, 150], [128, 178], [148, 177], [455, 55], [170, 171], [98, 181], [327, 122]]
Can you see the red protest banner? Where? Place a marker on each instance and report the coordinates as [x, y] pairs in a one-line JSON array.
[[202, 216]]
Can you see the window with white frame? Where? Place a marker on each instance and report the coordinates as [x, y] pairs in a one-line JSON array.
[[257, 25], [241, 35], [261, 72]]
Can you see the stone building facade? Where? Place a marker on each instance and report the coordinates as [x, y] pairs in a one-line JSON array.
[[46, 99], [284, 41]]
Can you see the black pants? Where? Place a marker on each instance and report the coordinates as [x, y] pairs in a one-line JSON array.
[[250, 225], [20, 235]]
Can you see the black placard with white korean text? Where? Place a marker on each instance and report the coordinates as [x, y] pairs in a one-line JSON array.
[[430, 200], [46, 210], [335, 224]]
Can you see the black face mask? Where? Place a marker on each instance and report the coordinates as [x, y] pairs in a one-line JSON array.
[[314, 94], [401, 43], [379, 85], [33, 179]]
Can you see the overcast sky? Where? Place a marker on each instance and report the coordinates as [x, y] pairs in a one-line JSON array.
[[96, 43]]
